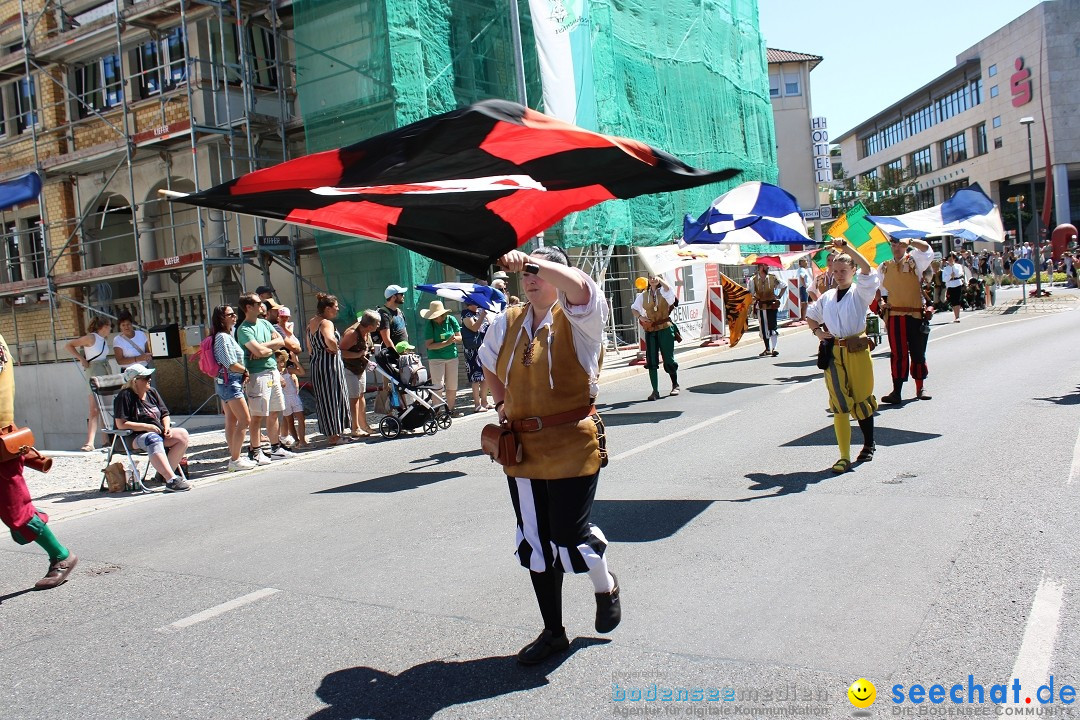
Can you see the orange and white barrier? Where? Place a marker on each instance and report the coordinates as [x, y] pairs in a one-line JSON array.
[[713, 333]]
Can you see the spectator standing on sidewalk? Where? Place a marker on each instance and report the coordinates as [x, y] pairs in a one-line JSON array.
[[327, 370], [266, 399], [474, 326], [442, 335], [229, 386], [392, 327], [17, 512], [95, 363], [357, 347]]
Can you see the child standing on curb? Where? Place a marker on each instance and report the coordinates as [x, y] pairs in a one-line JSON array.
[[292, 419]]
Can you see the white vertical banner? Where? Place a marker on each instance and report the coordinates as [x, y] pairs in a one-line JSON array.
[[564, 46]]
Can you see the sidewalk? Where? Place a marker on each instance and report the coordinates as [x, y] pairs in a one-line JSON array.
[[71, 488]]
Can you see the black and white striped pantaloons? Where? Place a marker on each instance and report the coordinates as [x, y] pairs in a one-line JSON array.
[[553, 528]]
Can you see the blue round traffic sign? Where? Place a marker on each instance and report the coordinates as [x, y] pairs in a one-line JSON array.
[[1023, 269]]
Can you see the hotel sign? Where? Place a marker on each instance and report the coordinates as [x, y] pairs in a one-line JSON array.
[[819, 139]]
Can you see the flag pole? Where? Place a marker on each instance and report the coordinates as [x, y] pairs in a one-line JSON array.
[[519, 68], [519, 57]]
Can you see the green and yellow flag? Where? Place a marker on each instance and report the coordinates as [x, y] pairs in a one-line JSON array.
[[861, 234]]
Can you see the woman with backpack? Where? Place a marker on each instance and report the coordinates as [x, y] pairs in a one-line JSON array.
[[229, 378]]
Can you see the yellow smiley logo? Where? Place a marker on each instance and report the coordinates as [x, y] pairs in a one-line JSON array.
[[862, 693]]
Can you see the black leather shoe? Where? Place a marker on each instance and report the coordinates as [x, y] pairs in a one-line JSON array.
[[608, 609], [891, 399], [923, 394], [543, 647]]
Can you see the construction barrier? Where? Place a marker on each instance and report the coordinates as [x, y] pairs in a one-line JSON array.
[[713, 332]]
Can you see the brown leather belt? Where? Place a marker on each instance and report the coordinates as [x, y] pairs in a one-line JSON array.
[[894, 308], [843, 342], [536, 424]]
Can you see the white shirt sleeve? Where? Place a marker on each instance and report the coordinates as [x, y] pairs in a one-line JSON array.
[[586, 320], [866, 286], [488, 354], [667, 294], [814, 310], [639, 304], [922, 258]]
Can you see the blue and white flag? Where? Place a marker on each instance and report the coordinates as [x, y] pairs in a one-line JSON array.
[[969, 214], [754, 213], [19, 190], [468, 293]]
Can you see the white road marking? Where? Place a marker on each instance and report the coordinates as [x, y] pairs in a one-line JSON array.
[[796, 386], [984, 327], [1032, 666], [1074, 473], [218, 610], [672, 436]]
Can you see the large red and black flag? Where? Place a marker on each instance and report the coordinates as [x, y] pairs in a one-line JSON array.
[[462, 188]]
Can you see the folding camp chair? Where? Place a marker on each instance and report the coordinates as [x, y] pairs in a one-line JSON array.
[[105, 388]]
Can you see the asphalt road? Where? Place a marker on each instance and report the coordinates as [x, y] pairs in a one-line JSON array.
[[378, 581]]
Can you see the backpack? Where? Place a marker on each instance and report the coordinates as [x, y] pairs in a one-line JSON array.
[[413, 372], [207, 362]]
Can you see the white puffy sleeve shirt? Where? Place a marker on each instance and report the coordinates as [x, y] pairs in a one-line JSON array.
[[586, 322], [639, 301], [847, 316]]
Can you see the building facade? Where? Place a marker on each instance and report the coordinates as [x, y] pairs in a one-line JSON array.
[[964, 127]]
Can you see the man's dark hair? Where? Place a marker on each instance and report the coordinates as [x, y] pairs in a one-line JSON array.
[[247, 300], [553, 253]]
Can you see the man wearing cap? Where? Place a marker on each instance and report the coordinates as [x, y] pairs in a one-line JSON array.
[[442, 336], [764, 287], [265, 396], [542, 362], [498, 281], [139, 408], [25, 522], [392, 327], [652, 308], [902, 306]]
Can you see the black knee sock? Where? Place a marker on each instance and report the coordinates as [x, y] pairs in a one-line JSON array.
[[674, 379], [867, 427], [897, 386], [548, 588]]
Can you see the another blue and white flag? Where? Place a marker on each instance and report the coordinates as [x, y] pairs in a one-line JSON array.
[[969, 214], [19, 190], [468, 293], [754, 213]]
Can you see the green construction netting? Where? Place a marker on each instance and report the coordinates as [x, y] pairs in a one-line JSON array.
[[688, 76]]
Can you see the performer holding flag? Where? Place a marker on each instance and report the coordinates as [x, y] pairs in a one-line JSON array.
[[765, 288], [840, 315], [652, 307], [542, 362], [903, 309]]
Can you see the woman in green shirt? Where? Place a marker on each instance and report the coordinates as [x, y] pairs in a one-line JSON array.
[[442, 335]]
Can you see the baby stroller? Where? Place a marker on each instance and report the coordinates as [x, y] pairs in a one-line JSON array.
[[413, 405]]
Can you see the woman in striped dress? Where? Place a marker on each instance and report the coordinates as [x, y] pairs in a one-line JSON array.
[[327, 370]]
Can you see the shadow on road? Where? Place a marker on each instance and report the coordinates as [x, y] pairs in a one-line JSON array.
[[722, 387], [888, 437], [797, 378], [617, 419], [811, 362], [785, 484], [15, 594], [644, 520], [394, 483], [424, 690], [604, 407], [1072, 398], [441, 458]]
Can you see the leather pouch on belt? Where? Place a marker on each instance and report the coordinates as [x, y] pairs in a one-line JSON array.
[[500, 444]]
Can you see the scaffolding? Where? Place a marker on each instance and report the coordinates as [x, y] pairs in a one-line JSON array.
[[112, 102]]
